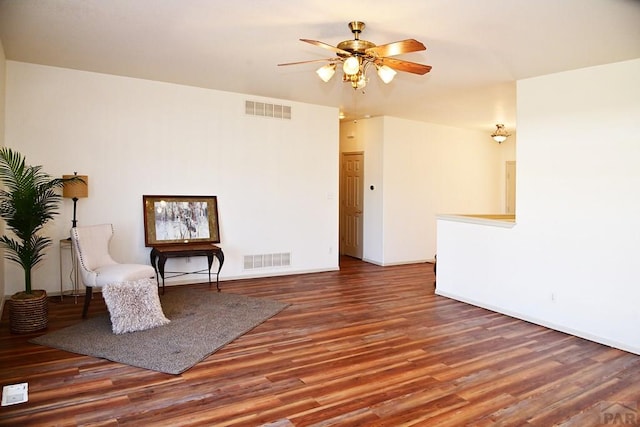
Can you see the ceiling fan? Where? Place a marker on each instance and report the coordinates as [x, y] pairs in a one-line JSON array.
[[357, 55]]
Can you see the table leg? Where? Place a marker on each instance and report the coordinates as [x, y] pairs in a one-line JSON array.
[[210, 262], [220, 255], [153, 257], [161, 262]]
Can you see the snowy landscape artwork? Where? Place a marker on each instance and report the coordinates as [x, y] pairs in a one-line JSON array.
[[180, 219]]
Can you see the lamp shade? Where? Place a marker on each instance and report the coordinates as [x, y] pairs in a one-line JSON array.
[[76, 189], [326, 72], [386, 73], [362, 81], [351, 65]]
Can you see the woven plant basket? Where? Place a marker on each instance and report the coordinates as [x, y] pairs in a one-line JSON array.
[[28, 313]]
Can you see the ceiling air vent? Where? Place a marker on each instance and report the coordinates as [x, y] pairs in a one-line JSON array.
[[253, 108]]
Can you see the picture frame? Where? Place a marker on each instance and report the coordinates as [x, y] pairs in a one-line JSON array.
[[180, 220]]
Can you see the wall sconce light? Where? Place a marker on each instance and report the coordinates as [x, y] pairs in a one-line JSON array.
[[500, 135]]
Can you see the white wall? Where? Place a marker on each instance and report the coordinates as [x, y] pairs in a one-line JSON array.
[[276, 180], [419, 170], [571, 261], [507, 153], [372, 131]]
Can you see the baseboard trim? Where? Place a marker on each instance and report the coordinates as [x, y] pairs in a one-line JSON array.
[[389, 264], [575, 332]]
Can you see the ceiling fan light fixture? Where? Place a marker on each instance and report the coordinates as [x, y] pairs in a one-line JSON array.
[[326, 72], [357, 55], [386, 73], [351, 65], [500, 135]]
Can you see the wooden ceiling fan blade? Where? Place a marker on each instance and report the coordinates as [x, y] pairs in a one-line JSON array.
[[308, 62], [396, 48], [326, 46], [400, 65]]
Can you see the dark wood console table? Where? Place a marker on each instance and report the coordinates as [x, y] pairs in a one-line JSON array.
[[159, 255]]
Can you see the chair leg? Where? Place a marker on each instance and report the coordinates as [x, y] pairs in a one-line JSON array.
[[87, 299]]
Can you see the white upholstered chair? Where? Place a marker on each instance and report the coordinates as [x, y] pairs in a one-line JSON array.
[[95, 264]]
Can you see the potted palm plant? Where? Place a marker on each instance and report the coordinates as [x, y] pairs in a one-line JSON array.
[[28, 200]]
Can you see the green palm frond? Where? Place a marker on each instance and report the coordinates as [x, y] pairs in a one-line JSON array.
[[28, 201]]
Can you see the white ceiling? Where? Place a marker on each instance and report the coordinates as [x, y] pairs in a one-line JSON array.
[[478, 48]]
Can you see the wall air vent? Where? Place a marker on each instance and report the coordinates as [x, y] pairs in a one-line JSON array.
[[251, 262], [253, 108]]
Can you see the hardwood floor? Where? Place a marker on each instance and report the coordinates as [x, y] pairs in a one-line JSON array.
[[365, 346]]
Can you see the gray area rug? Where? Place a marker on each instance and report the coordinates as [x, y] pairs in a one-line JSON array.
[[201, 323]]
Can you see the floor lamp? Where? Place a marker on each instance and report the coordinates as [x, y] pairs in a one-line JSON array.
[[75, 190]]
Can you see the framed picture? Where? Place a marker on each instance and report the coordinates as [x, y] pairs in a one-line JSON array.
[[171, 220]]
